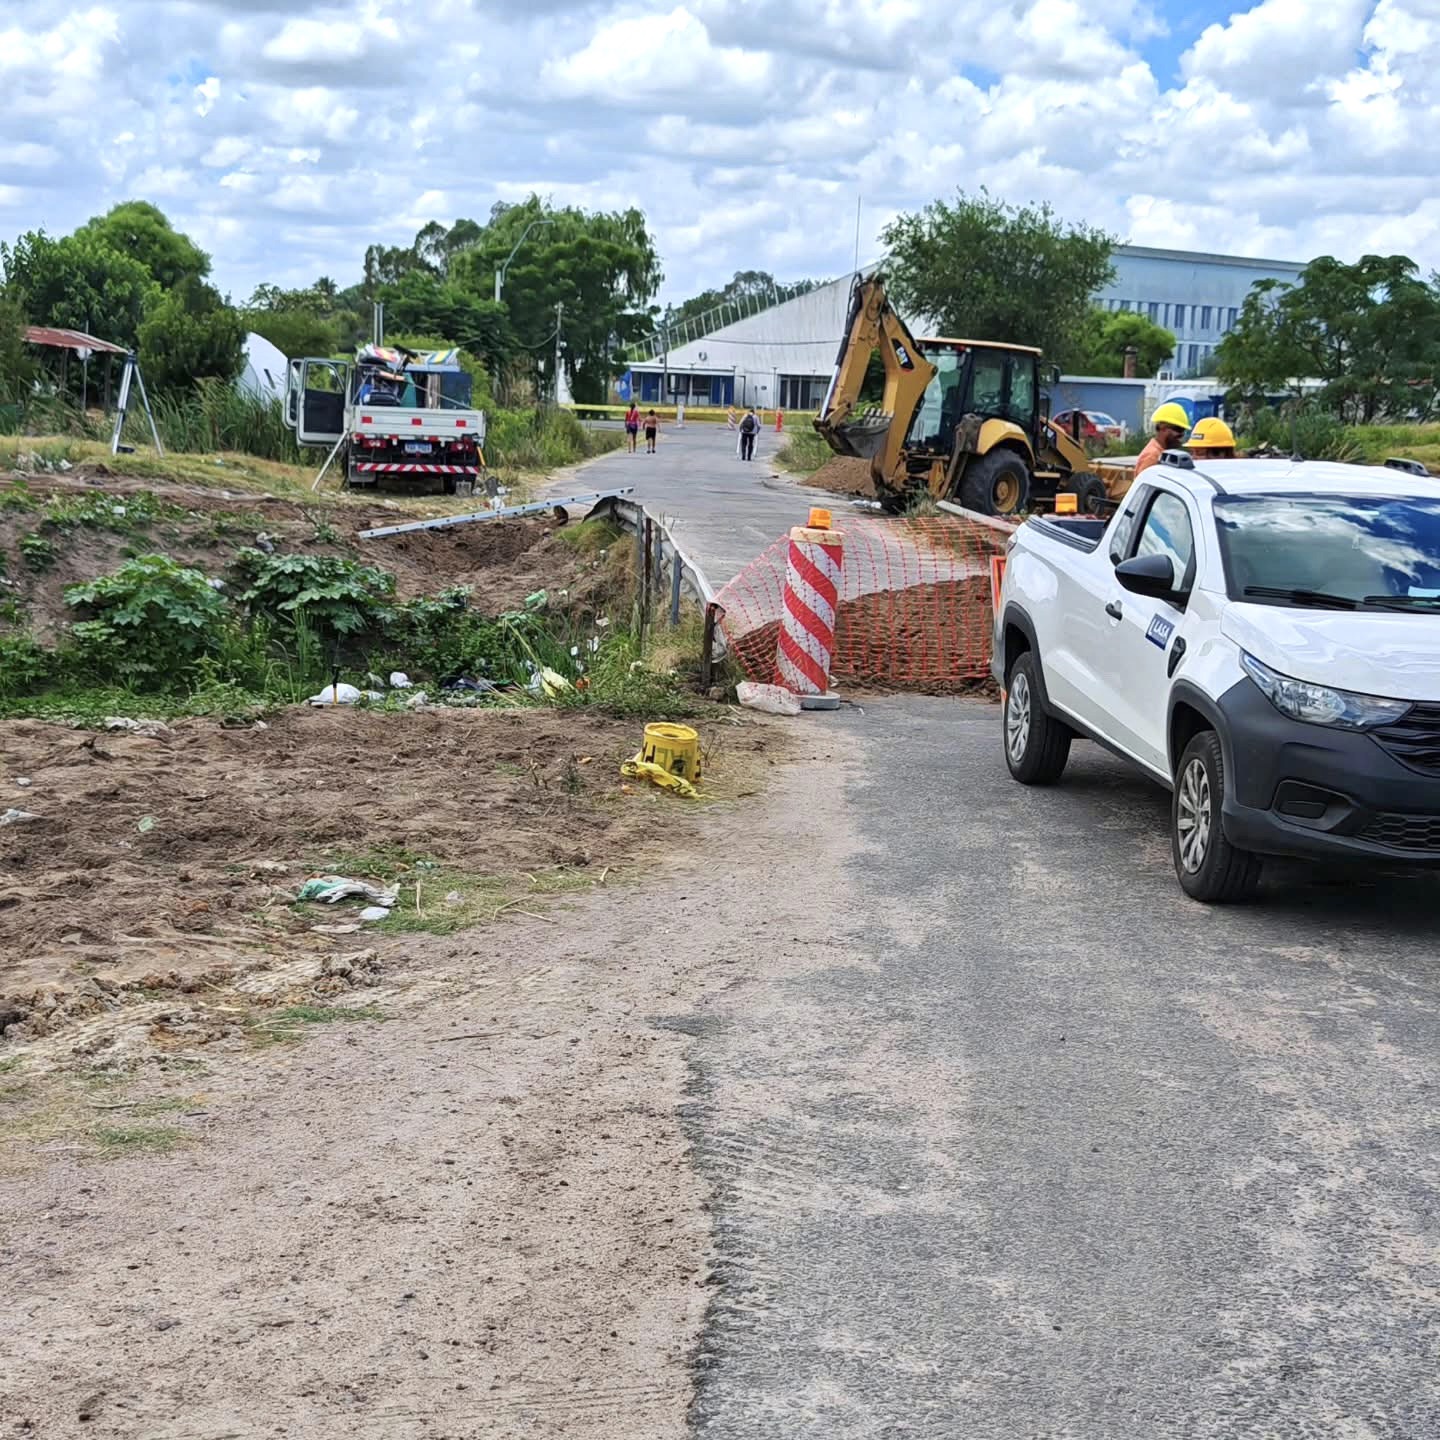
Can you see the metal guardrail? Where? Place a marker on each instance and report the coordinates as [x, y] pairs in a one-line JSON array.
[[664, 570]]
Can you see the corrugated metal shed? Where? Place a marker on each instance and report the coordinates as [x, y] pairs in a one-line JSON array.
[[70, 340]]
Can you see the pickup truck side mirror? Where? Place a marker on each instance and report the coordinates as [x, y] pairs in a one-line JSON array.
[[1152, 575]]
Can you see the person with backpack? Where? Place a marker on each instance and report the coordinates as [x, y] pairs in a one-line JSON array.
[[749, 429]]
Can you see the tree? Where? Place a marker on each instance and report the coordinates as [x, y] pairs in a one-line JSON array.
[[1370, 331], [139, 230], [422, 304], [1107, 337], [81, 283], [744, 285], [600, 267], [189, 333], [16, 364], [982, 268]]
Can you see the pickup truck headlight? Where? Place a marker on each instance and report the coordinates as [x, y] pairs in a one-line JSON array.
[[1319, 704]]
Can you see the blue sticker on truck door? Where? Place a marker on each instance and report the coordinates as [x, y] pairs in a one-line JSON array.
[[1160, 631]]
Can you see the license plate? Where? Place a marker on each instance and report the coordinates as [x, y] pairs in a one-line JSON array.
[[418, 447]]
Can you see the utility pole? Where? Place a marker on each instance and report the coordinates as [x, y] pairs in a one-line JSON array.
[[665, 356], [559, 317]]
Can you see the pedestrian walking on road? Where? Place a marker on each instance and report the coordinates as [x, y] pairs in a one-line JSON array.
[[652, 429], [749, 429], [632, 425]]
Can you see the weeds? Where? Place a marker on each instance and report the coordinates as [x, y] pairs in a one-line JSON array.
[[37, 552], [804, 452], [118, 1141]]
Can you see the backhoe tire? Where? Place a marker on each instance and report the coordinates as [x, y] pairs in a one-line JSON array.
[[996, 484], [1090, 495], [1036, 744], [1209, 868]]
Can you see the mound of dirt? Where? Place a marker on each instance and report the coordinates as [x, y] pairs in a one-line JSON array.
[[843, 475], [501, 561], [927, 639]]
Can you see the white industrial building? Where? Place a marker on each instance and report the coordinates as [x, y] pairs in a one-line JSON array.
[[783, 356]]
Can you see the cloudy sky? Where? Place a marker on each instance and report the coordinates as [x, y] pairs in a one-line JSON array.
[[285, 135]]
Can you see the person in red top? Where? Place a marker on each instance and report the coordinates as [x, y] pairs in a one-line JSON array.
[[1172, 425], [632, 425]]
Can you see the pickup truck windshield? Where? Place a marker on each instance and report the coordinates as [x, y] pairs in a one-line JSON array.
[[1332, 551]]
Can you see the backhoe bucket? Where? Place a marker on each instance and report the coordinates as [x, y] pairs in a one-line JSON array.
[[862, 437]]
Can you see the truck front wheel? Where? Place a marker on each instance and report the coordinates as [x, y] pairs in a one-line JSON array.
[[1036, 744], [1207, 865]]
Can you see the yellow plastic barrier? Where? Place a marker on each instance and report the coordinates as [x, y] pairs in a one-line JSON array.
[[674, 748]]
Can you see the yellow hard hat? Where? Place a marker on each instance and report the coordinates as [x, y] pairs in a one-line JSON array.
[[1211, 434], [1171, 414]]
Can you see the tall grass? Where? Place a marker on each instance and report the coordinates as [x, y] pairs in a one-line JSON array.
[[541, 439], [214, 416]]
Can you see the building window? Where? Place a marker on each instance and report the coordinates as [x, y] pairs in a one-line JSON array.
[[1179, 317], [1204, 317], [1154, 308], [1234, 316]]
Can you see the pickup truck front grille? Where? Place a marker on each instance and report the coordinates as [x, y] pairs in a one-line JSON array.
[[1415, 740], [1420, 834]]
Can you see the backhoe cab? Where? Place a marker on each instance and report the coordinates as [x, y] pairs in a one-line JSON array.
[[958, 419]]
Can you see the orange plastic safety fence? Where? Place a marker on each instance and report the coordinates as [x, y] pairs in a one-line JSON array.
[[914, 614]]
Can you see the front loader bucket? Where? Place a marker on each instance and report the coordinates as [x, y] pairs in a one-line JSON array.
[[862, 437]]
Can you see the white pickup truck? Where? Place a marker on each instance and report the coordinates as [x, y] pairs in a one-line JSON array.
[[1262, 637]]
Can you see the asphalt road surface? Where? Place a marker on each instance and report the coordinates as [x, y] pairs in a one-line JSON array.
[[1016, 1141], [726, 511]]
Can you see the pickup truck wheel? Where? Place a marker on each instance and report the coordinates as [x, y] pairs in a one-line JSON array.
[[1207, 865], [996, 484], [1036, 744]]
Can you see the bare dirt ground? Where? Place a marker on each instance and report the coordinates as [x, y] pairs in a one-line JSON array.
[[454, 1198], [844, 476]]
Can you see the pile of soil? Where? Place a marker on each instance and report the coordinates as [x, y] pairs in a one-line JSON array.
[[502, 561], [176, 854], [844, 476], [928, 639]]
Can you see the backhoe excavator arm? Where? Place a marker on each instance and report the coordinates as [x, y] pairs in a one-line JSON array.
[[875, 435]]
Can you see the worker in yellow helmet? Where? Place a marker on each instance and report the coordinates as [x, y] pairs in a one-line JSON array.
[[1212, 439], [1171, 424]]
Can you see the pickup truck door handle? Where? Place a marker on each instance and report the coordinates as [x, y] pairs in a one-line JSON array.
[[1114, 610]]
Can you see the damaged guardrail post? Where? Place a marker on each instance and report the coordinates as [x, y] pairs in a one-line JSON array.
[[713, 612], [677, 573]]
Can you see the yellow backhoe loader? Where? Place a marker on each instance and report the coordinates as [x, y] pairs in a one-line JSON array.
[[961, 420]]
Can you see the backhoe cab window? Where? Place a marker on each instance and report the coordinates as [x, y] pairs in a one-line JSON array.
[[987, 390], [940, 411]]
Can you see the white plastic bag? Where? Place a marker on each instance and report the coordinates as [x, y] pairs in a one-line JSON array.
[[772, 699]]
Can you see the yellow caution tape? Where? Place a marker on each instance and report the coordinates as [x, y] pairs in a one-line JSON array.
[[638, 769]]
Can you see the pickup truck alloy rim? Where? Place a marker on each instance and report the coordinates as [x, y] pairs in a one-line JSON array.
[[1193, 816], [1017, 718]]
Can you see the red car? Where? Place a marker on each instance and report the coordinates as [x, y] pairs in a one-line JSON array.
[[1094, 424]]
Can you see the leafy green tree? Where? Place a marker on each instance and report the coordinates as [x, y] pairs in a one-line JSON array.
[[423, 304], [81, 282], [743, 285], [1101, 350], [139, 230], [1369, 331], [16, 363], [189, 333], [601, 267], [982, 268]]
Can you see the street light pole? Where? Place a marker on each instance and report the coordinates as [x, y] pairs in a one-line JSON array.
[[500, 272]]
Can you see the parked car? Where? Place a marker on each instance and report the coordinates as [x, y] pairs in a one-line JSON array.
[[1262, 637], [1094, 425]]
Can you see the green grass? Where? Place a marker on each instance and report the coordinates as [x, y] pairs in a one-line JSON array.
[[119, 1141], [804, 452], [327, 1014], [9, 1065]]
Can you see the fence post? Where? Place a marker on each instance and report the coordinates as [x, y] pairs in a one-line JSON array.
[[707, 646], [647, 579], [676, 575]]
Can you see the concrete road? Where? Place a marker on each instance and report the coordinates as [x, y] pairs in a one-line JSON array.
[[1012, 1140], [725, 511]]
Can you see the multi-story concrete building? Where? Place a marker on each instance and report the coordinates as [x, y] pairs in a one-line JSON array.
[[1195, 295]]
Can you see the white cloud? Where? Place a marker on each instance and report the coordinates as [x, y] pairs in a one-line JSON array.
[[286, 135]]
